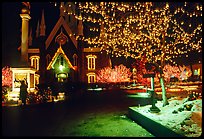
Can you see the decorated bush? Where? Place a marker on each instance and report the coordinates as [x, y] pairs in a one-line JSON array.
[[118, 74]]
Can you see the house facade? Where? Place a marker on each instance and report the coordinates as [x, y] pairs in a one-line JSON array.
[[60, 55]]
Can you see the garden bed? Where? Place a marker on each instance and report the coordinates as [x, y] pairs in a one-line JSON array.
[[175, 119]]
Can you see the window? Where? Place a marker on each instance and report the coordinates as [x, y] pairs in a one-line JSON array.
[[32, 80], [196, 72], [37, 79], [35, 62], [61, 61], [75, 59], [19, 77], [91, 77], [91, 62]]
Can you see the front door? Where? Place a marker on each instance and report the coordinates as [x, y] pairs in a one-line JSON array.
[[62, 77]]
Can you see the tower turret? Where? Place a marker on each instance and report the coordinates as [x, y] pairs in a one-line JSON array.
[[37, 30], [42, 25], [62, 9], [80, 26]]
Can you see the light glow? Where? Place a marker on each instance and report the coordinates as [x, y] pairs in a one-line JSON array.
[[61, 67]]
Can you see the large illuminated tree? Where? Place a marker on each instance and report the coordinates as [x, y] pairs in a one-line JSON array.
[[162, 31]]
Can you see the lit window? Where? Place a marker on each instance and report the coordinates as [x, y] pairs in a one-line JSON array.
[[91, 62], [35, 62], [91, 77], [75, 59], [199, 72], [196, 72], [61, 61]]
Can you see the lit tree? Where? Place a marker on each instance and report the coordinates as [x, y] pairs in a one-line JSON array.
[[170, 71], [104, 74], [6, 76], [139, 64], [180, 72], [118, 74], [161, 31], [185, 72]]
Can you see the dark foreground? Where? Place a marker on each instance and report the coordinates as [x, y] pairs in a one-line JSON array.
[[93, 114]]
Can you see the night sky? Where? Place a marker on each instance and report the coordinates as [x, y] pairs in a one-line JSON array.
[[11, 26], [11, 30]]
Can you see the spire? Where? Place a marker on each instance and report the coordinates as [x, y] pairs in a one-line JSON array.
[[80, 26], [62, 9], [42, 25], [69, 8], [37, 30], [30, 38]]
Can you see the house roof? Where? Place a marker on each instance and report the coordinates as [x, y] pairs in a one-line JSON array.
[[60, 22], [59, 51]]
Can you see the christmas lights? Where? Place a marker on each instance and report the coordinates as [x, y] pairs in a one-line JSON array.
[[132, 29], [6, 76], [118, 74]]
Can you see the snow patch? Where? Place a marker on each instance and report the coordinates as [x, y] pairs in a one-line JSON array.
[[182, 116]]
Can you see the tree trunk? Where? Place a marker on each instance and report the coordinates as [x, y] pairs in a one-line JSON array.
[[164, 98]]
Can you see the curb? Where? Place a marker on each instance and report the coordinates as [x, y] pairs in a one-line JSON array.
[[152, 126]]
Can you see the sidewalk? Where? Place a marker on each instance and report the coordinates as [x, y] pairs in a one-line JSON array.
[[12, 103]]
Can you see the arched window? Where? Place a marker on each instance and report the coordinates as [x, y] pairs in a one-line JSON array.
[[75, 58], [91, 62], [35, 62], [91, 77]]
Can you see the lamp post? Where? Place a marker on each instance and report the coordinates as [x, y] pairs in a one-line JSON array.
[[153, 109]]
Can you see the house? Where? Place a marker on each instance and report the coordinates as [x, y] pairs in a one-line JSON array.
[[59, 55]]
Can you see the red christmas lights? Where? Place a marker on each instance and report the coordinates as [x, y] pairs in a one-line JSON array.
[[6, 76], [118, 74]]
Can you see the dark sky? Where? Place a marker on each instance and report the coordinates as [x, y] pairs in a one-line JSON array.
[[11, 28]]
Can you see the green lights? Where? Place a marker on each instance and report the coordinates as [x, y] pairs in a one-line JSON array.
[[61, 67]]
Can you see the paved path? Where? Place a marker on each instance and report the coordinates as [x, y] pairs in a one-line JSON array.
[[93, 115]]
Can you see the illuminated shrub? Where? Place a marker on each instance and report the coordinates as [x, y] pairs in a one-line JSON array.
[[6, 76], [118, 74]]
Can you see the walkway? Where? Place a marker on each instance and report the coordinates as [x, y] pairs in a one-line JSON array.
[[93, 115]]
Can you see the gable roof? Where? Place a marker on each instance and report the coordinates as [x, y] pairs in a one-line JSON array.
[[60, 22], [59, 51]]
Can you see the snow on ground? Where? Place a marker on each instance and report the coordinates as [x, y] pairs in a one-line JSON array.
[[182, 116]]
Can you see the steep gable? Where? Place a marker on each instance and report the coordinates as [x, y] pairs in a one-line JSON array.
[[52, 62], [60, 22]]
